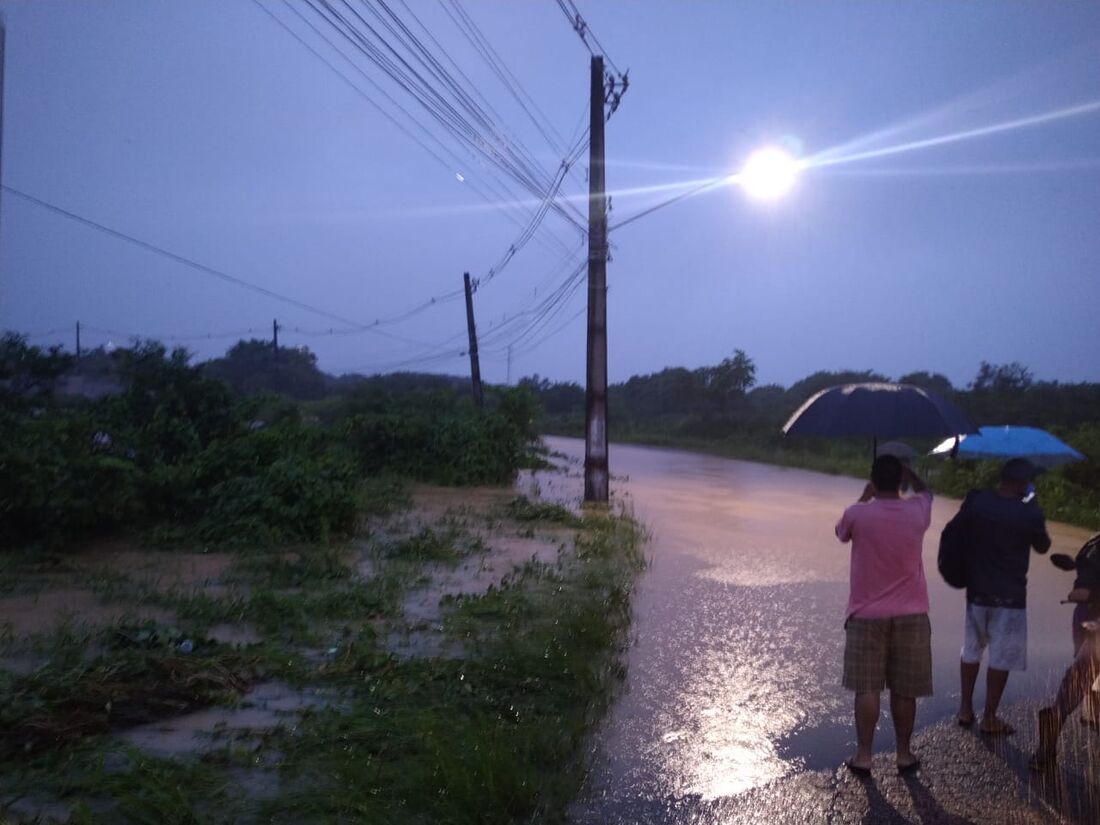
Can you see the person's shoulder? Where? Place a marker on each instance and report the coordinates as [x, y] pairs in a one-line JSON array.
[[976, 496]]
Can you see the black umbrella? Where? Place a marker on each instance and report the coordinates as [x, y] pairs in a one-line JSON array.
[[879, 410]]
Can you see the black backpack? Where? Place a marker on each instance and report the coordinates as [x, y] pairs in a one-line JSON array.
[[955, 548]]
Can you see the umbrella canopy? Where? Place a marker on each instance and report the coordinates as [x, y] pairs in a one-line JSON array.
[[1037, 446], [879, 410]]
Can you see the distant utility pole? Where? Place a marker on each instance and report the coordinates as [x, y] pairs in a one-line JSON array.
[[475, 368], [595, 408], [3, 36], [275, 339], [78, 339], [508, 380]]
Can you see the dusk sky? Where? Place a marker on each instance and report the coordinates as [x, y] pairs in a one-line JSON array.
[[949, 211]]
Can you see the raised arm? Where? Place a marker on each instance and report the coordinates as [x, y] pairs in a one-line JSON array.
[[916, 483]]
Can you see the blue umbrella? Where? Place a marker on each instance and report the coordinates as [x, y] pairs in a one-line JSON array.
[[879, 410], [1037, 446]]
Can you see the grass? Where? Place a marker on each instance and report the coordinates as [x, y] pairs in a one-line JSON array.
[[495, 736], [140, 676], [449, 544], [526, 511]]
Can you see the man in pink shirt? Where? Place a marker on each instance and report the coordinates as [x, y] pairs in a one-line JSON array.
[[888, 637]]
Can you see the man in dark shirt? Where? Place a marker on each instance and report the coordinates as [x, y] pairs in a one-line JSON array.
[[1002, 529]]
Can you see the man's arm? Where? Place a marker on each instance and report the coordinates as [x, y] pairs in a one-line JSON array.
[[844, 528], [1041, 540], [916, 483]]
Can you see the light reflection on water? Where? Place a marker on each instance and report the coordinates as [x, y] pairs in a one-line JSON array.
[[733, 680]]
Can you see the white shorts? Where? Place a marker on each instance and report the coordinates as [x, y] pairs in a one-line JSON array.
[[1003, 630]]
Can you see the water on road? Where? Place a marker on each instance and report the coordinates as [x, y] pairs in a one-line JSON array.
[[734, 676]]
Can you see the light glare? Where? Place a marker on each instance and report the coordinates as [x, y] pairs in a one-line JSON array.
[[769, 173]]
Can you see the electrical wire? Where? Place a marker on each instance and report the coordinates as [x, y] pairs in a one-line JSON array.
[[703, 187], [503, 201]]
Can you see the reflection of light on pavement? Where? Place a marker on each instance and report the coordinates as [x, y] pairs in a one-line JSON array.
[[734, 718]]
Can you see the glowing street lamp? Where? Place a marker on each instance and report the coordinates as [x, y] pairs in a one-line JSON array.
[[769, 173]]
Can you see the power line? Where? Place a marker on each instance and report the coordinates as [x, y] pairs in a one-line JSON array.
[[519, 166], [503, 200], [710, 184], [584, 31], [217, 273]]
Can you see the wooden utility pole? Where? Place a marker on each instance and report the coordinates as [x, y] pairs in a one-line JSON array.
[[3, 37], [78, 339], [508, 379], [595, 408], [475, 368], [275, 339]]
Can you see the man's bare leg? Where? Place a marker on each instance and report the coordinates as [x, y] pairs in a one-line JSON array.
[[867, 712], [904, 711], [995, 681], [968, 677]]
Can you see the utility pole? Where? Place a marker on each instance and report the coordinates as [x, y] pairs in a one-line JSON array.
[[275, 339], [78, 339], [3, 37], [475, 368], [595, 408], [508, 380]]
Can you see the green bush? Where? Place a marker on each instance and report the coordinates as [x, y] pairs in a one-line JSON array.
[[178, 455], [443, 438]]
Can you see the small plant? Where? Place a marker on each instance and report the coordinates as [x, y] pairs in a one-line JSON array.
[[450, 544], [523, 509]]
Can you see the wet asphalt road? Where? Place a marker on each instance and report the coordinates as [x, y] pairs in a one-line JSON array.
[[733, 685]]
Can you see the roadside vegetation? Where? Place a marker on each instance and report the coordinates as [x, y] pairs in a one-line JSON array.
[[720, 409], [227, 604]]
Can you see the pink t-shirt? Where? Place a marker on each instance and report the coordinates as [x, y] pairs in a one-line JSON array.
[[887, 573]]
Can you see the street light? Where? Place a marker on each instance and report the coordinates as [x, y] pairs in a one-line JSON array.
[[769, 173]]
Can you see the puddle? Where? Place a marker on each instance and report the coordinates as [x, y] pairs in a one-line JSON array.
[[35, 809], [262, 709], [476, 575], [163, 569], [22, 665], [41, 612], [434, 503]]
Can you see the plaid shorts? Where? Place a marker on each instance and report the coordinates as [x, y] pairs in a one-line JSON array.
[[894, 653]]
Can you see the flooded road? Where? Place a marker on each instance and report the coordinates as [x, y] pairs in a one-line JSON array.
[[734, 677]]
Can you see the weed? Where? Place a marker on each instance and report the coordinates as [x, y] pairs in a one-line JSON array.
[[449, 544], [523, 509], [137, 678], [443, 740], [294, 569]]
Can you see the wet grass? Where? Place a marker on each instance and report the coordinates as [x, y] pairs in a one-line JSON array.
[[526, 511], [449, 543], [110, 783], [140, 674], [495, 736]]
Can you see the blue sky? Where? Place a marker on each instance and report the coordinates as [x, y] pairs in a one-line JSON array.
[[205, 128]]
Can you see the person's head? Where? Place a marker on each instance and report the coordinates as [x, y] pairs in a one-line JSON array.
[[886, 474], [1016, 475]]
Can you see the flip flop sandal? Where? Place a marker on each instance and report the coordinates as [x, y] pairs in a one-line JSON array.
[[862, 773], [912, 767], [965, 723]]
